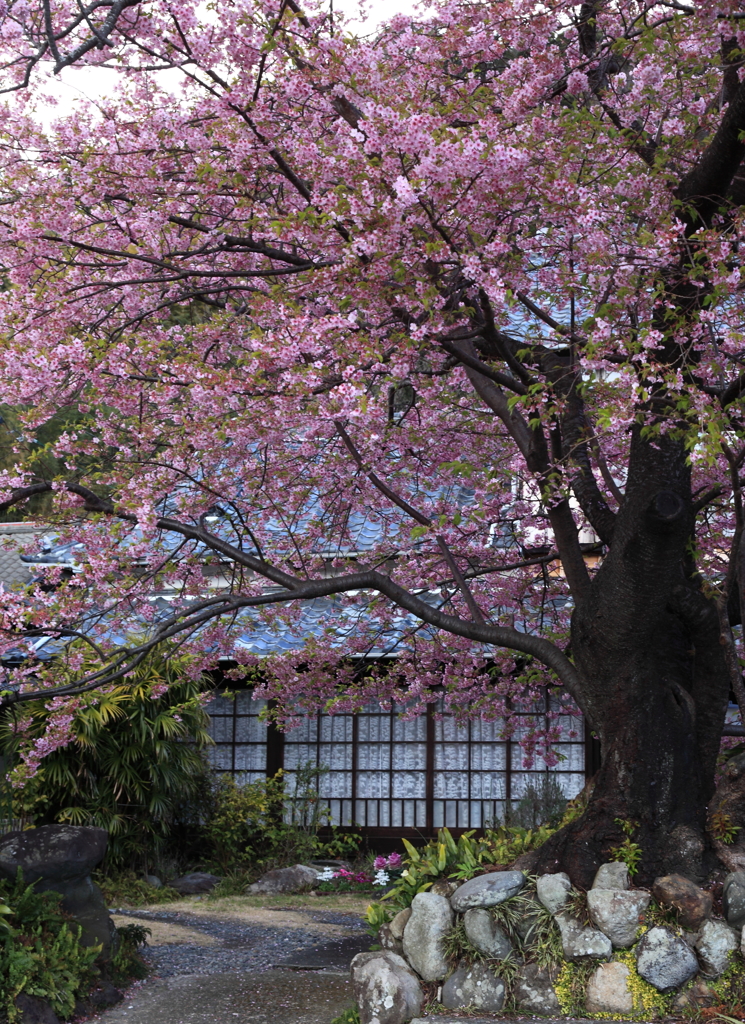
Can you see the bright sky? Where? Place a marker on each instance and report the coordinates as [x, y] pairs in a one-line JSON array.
[[76, 83]]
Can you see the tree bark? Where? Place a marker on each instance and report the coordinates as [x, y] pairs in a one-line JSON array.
[[654, 684]]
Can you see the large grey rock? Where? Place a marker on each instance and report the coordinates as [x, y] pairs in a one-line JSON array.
[[386, 990], [474, 986], [487, 890], [617, 913], [534, 990], [194, 883], [59, 858], [733, 899], [614, 875], [34, 1010], [431, 919], [692, 905], [715, 942], [664, 959], [84, 901], [299, 876], [553, 891], [580, 942], [54, 853], [608, 990], [485, 934]]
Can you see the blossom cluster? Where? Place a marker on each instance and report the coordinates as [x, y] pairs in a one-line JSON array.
[[317, 320], [393, 862], [330, 874]]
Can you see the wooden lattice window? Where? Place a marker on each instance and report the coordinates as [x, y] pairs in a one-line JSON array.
[[390, 775]]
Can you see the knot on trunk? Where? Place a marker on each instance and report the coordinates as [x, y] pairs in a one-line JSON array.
[[666, 508]]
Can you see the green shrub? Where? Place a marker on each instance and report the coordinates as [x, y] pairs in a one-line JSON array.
[[342, 843], [40, 952], [247, 824], [127, 962], [350, 1016], [541, 804], [232, 883], [507, 842], [136, 754], [126, 889], [266, 822], [376, 916], [445, 858], [628, 851]]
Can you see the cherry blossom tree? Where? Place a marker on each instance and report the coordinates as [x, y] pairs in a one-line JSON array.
[[441, 327]]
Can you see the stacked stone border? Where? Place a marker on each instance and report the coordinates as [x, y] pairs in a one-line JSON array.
[[504, 942]]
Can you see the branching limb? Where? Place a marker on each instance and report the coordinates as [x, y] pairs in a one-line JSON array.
[[293, 588], [575, 435], [532, 445], [704, 189], [419, 517]]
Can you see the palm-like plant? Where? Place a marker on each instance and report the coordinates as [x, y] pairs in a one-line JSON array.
[[136, 755]]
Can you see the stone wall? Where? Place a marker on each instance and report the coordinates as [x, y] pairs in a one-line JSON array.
[[500, 942]]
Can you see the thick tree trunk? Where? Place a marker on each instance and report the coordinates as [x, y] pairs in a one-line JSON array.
[[655, 684]]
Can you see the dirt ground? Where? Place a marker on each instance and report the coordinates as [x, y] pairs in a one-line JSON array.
[[293, 911], [246, 906], [268, 911]]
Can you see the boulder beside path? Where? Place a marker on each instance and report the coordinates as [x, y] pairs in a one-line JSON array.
[[60, 858]]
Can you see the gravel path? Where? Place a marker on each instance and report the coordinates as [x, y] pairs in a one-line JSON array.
[[233, 979], [240, 947], [269, 997]]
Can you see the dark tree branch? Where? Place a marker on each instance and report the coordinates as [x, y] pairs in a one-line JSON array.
[[734, 390], [575, 434], [376, 481], [707, 498], [704, 189], [417, 516], [19, 494], [587, 28], [475, 363], [605, 472], [294, 588], [203, 612], [473, 607], [532, 445]]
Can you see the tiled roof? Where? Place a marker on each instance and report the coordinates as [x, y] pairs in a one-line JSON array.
[[321, 617], [14, 537], [362, 532], [327, 617]]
